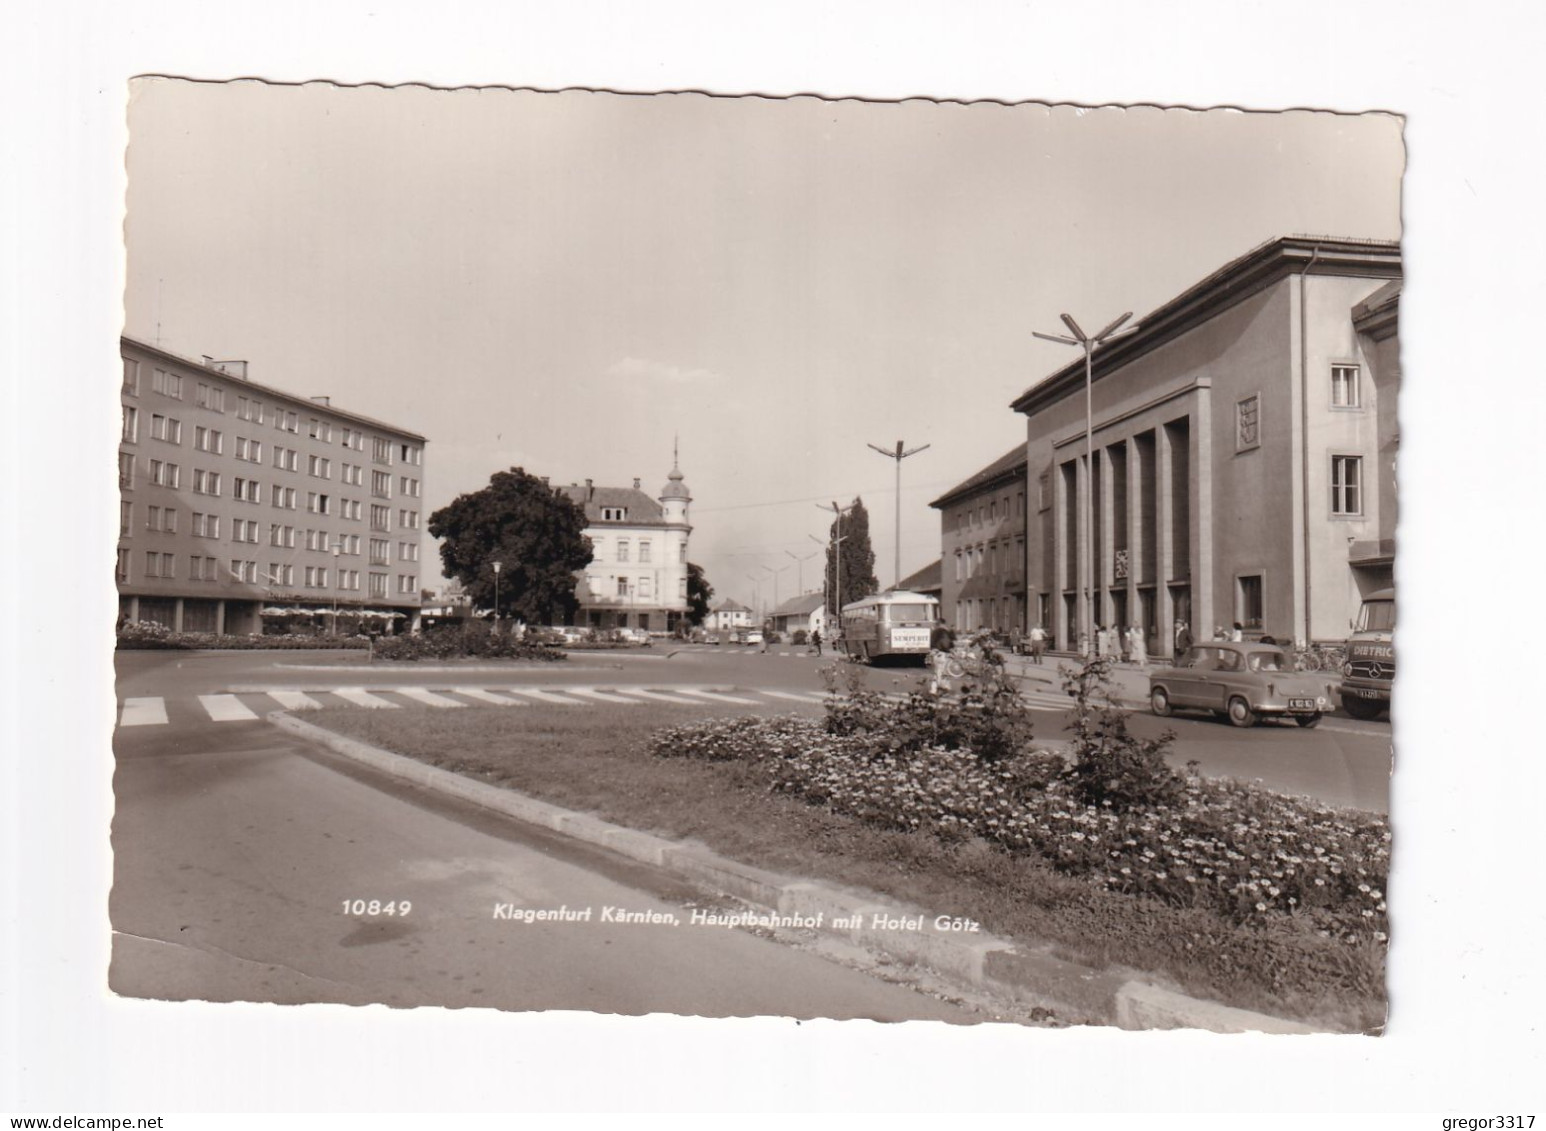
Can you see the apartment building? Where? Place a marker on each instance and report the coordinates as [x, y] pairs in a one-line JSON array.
[[244, 506]]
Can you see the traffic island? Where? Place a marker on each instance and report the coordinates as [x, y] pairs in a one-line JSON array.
[[959, 951]]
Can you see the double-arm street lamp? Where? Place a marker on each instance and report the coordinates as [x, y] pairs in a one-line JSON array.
[[800, 562], [899, 455], [1087, 512], [775, 573]]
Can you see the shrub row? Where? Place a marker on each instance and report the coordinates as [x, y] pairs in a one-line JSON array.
[[457, 641]]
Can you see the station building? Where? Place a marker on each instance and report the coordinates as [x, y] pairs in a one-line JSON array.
[[244, 506], [1243, 454]]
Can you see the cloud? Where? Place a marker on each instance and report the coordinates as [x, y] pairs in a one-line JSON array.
[[636, 368]]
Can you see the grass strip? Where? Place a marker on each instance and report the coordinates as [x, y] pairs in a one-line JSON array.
[[595, 759]]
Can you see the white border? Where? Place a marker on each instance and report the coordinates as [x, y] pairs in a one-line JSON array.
[[1466, 989]]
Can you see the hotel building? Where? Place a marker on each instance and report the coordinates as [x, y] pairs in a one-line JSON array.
[[243, 505], [637, 576]]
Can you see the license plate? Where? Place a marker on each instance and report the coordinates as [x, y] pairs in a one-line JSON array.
[[1301, 704], [1365, 692]]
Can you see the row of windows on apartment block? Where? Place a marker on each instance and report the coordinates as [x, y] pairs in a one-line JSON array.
[[643, 587], [159, 566], [998, 557], [163, 520], [623, 550], [212, 440], [212, 398], [163, 474]]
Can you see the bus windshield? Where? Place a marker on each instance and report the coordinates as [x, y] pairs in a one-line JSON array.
[[1377, 616], [918, 611]]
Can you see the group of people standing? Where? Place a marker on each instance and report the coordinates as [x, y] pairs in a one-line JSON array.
[[1113, 642]]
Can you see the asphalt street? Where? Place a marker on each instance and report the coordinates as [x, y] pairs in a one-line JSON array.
[[239, 856], [1343, 762]]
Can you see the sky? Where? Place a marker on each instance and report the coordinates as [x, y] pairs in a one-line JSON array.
[[573, 282]]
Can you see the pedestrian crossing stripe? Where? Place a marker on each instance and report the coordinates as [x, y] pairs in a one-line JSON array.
[[601, 696], [143, 712], [661, 697], [362, 698], [542, 696], [226, 709], [488, 697], [295, 700], [428, 698], [715, 696]]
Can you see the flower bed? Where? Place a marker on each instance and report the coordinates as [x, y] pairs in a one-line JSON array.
[[1236, 850], [458, 641], [149, 635]]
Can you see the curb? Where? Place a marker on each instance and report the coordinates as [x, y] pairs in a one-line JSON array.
[[984, 962]]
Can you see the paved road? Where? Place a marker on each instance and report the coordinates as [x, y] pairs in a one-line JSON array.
[[235, 849], [1342, 762]]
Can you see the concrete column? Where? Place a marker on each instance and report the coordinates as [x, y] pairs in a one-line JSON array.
[[1164, 551], [134, 610], [1060, 629], [1134, 528], [177, 615], [1200, 494], [220, 618], [1106, 564], [1082, 557]]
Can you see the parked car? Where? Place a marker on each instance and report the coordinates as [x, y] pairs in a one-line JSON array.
[[754, 636], [1245, 682], [633, 636]]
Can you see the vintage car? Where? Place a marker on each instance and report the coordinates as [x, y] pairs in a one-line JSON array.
[[1247, 682]]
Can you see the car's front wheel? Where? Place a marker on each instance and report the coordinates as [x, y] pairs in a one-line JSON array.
[[1159, 702], [1240, 712], [1308, 721]]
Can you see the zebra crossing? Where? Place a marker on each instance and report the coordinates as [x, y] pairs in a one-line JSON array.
[[251, 705]]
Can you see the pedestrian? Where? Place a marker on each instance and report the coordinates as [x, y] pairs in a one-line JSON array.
[[1103, 642], [1237, 634], [1016, 647], [1219, 633], [941, 642], [1137, 647], [1183, 640], [816, 640], [1038, 643]]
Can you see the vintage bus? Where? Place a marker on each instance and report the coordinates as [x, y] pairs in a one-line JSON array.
[[897, 623]]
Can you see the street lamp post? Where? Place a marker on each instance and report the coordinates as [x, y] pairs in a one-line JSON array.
[[899, 455], [775, 573], [756, 595], [497, 566], [1087, 516], [836, 598], [337, 549], [800, 562]]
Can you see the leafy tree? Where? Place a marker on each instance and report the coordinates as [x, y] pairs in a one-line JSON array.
[[535, 533], [699, 592], [857, 558]]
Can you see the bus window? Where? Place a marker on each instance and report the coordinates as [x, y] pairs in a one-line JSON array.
[[910, 612]]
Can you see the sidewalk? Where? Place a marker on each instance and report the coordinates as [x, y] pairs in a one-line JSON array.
[[1130, 683]]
